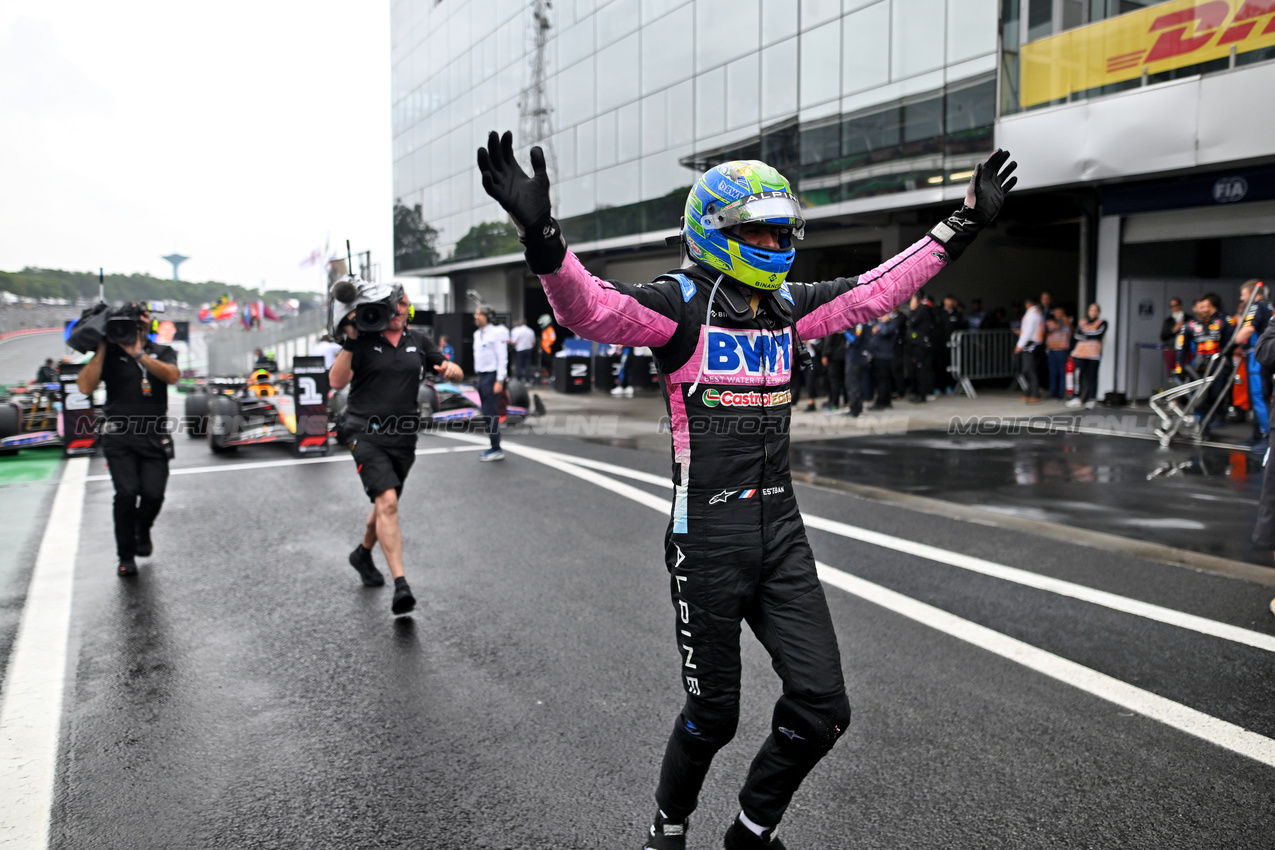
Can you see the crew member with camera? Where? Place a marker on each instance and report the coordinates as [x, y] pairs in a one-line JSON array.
[[135, 428], [382, 361]]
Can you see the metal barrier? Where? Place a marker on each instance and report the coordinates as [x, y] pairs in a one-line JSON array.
[[981, 354], [230, 350]]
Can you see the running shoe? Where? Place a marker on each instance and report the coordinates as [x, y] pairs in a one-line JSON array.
[[666, 836], [127, 568], [740, 837], [404, 601], [361, 560], [491, 454]]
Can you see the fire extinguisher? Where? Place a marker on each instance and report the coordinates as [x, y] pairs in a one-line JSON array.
[[1071, 377]]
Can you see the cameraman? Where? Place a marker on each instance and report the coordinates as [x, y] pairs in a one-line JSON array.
[[135, 438], [383, 370]]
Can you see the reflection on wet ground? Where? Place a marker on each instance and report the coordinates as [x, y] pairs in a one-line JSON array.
[[1195, 498]]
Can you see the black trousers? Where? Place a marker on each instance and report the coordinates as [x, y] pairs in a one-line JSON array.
[[491, 406], [921, 370], [140, 474], [883, 375], [853, 367], [747, 560], [836, 381], [1088, 378]]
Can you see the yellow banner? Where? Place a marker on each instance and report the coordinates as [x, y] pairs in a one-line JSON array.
[[1159, 38]]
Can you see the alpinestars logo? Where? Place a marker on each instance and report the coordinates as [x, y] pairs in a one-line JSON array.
[[548, 231], [791, 735], [722, 497]]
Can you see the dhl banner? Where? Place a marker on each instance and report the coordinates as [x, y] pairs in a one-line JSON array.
[[1159, 38]]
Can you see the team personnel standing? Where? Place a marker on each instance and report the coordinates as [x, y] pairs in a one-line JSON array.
[[723, 330], [1087, 353], [1252, 324], [383, 371], [491, 366], [524, 342], [135, 438]]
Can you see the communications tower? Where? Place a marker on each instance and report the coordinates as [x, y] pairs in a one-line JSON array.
[[534, 112]]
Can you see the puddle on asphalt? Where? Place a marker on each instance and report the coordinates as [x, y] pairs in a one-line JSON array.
[[1197, 498]]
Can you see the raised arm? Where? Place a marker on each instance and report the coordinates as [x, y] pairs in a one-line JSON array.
[[593, 308], [831, 306]]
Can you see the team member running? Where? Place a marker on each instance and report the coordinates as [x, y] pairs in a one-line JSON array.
[[135, 438], [724, 332], [383, 371]]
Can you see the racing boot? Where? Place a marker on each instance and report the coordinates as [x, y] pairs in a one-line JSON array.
[[665, 835], [361, 560], [404, 601], [127, 568], [740, 837]]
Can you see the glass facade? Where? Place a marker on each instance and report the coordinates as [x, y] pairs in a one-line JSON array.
[[848, 98]]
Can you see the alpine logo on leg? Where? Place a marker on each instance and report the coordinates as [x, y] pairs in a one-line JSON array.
[[722, 496], [680, 556]]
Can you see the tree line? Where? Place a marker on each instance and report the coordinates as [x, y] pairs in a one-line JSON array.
[[73, 286]]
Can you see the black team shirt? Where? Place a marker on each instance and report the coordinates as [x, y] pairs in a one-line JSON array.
[[136, 409], [386, 381]]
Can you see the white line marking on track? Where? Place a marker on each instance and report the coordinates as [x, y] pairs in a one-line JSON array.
[[1219, 732], [268, 464], [31, 715], [1158, 613]]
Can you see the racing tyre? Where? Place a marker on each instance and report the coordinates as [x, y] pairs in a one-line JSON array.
[[10, 425], [196, 419], [223, 423], [518, 397], [427, 398]]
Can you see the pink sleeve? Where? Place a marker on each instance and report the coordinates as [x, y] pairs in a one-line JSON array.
[[597, 311], [878, 292]]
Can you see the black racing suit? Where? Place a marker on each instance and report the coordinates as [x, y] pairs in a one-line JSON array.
[[736, 546]]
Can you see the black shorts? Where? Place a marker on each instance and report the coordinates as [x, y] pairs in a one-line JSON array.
[[382, 467]]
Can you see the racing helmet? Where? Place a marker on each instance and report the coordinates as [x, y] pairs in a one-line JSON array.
[[260, 376], [737, 193]]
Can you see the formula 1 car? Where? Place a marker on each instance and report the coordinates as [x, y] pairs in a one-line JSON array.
[[444, 402], [451, 404], [233, 412], [31, 417]]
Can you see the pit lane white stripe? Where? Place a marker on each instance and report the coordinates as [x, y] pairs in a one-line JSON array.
[[1175, 715], [31, 714], [1196, 723], [268, 464], [1168, 616]]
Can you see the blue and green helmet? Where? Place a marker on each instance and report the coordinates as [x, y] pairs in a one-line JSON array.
[[737, 193]]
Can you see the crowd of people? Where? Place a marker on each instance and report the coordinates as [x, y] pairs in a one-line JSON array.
[[906, 354]]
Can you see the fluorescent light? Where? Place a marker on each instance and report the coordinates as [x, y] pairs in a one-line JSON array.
[[960, 175], [938, 179]]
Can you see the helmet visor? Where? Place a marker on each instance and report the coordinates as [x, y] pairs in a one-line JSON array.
[[778, 209]]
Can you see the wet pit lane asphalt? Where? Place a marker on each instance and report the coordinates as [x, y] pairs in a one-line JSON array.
[[1196, 498]]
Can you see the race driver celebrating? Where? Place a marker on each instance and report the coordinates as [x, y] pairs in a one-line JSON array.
[[724, 332]]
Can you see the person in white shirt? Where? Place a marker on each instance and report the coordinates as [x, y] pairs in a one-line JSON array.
[[491, 365], [327, 349], [1030, 337], [524, 341]]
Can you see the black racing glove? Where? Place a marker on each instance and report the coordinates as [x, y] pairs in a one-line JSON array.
[[526, 199], [983, 200]]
